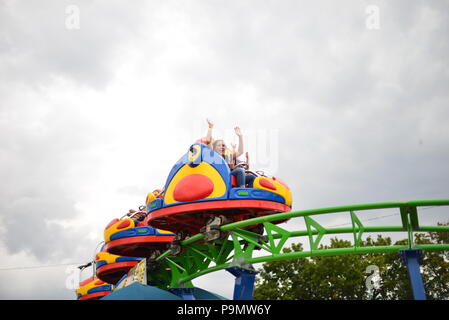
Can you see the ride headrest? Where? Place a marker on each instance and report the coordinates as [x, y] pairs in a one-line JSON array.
[[194, 154]]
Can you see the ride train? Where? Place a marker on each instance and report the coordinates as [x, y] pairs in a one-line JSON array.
[[200, 194]]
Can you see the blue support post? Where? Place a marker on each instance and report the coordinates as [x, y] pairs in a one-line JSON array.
[[184, 293], [412, 259], [244, 282]]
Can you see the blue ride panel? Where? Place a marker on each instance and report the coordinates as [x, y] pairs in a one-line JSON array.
[[106, 287], [134, 232], [254, 194], [154, 205], [126, 259], [100, 263], [215, 160]]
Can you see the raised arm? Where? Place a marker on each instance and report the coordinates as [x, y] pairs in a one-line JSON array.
[[238, 132], [209, 131]]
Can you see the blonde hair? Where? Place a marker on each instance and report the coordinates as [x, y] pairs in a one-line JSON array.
[[214, 143], [228, 154]]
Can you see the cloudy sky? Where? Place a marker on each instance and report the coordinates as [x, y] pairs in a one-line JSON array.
[[347, 101]]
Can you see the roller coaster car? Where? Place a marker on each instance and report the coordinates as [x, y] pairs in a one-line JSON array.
[[111, 268], [200, 188], [131, 237], [93, 289]]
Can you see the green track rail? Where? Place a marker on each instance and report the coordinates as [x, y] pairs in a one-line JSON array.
[[238, 249]]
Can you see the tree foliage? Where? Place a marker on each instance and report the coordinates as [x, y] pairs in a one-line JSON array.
[[345, 276]]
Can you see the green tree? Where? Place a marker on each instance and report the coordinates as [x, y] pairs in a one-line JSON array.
[[345, 277]]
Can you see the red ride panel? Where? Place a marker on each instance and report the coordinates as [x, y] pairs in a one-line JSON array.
[[193, 187], [189, 216], [113, 272], [137, 246], [267, 184]]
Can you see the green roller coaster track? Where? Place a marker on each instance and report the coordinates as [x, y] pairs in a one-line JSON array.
[[199, 257]]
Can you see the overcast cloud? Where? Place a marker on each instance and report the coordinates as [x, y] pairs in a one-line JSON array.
[[91, 119]]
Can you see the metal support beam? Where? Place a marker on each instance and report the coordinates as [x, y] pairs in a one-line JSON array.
[[412, 259], [244, 283]]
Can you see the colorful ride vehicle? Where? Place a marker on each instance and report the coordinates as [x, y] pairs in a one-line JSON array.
[[92, 289], [200, 187], [111, 268], [131, 237]]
